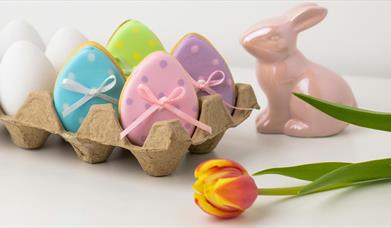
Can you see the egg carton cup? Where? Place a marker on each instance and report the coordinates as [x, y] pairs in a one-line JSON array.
[[99, 134]]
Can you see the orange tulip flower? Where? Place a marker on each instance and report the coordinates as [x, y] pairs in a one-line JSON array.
[[224, 188]]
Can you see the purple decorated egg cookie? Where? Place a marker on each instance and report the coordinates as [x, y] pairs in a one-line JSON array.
[[202, 61]]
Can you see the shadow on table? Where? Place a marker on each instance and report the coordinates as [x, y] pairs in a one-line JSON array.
[[344, 196], [355, 192]]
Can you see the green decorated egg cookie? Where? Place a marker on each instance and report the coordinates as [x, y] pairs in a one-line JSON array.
[[131, 42]]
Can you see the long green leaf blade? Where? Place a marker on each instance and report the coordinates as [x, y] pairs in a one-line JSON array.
[[351, 175], [307, 172], [356, 116]]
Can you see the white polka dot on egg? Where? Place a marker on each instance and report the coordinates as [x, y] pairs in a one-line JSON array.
[[215, 62], [71, 76], [91, 57], [110, 72]]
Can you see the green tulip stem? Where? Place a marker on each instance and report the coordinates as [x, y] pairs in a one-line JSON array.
[[289, 191]]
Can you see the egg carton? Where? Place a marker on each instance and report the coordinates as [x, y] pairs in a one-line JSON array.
[[99, 133]]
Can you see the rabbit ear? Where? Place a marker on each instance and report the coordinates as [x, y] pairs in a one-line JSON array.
[[306, 16], [299, 8]]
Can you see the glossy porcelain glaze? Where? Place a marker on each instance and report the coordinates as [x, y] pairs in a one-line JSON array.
[[282, 69]]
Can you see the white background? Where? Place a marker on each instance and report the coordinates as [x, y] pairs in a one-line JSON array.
[[353, 39], [51, 187]]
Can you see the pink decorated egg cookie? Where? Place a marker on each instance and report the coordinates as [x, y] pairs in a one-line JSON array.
[[160, 89], [205, 65]]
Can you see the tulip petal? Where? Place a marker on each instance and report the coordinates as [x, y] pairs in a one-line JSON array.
[[209, 193], [221, 163], [237, 192], [211, 175], [221, 200], [209, 187], [207, 207], [205, 184]]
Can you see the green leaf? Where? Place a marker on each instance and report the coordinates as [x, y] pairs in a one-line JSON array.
[[293, 191], [307, 172], [356, 116], [351, 175]]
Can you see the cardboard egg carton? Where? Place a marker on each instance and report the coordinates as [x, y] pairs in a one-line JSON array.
[[99, 133]]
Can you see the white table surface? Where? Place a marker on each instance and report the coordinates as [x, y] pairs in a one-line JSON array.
[[51, 187]]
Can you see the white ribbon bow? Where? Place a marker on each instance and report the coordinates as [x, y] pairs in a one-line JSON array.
[[76, 87]]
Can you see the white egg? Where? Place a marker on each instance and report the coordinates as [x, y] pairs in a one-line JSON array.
[[24, 69], [19, 30], [63, 43]]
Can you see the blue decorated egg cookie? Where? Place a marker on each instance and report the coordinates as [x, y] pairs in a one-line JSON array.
[[90, 77]]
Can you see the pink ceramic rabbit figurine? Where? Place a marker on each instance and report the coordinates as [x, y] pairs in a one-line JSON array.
[[282, 69]]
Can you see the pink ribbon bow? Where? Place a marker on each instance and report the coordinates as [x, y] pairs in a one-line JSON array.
[[211, 82], [163, 103]]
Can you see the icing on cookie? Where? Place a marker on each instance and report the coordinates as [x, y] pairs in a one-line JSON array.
[[131, 42], [90, 77]]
